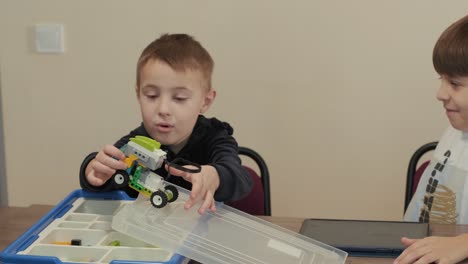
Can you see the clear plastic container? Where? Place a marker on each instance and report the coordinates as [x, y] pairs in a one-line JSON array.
[[227, 236]]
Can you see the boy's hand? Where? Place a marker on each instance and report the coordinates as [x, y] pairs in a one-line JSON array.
[[441, 250], [104, 165], [204, 185]]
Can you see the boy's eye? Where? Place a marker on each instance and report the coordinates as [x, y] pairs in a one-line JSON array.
[[151, 96], [454, 84], [180, 97]]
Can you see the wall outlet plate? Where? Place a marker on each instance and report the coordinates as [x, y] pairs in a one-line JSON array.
[[50, 38]]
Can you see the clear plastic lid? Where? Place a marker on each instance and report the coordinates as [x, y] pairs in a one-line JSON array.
[[226, 236]]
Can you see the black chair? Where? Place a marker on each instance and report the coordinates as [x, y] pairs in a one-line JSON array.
[[258, 201], [415, 172]]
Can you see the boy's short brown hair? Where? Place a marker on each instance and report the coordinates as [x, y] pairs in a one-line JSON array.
[[450, 55], [181, 52]]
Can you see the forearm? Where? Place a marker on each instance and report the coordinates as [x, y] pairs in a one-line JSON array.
[[234, 182]]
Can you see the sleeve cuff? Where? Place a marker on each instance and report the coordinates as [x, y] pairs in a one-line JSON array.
[[225, 188], [83, 182]]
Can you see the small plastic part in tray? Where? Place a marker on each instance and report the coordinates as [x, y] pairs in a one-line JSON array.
[[227, 236], [83, 218]]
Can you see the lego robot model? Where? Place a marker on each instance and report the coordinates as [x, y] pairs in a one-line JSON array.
[[143, 155]]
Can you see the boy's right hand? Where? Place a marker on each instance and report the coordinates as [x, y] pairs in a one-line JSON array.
[[104, 165], [434, 249]]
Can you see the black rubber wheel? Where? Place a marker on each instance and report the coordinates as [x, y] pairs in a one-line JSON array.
[[158, 199], [120, 179], [172, 192]]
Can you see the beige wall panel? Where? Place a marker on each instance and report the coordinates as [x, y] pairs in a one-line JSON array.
[[336, 95]]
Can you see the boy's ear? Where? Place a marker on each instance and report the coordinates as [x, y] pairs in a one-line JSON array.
[[208, 100]]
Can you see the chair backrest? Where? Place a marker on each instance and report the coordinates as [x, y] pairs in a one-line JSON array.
[[257, 202], [414, 172]]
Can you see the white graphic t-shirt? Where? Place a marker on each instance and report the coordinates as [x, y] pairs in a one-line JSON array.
[[442, 192]]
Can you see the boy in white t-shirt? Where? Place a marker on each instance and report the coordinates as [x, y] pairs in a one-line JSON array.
[[442, 193]]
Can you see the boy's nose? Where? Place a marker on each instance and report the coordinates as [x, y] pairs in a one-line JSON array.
[[163, 107], [443, 91]]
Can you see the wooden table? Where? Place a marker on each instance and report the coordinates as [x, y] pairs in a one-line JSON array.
[[16, 220]]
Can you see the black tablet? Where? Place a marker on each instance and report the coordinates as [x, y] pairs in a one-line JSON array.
[[364, 237]]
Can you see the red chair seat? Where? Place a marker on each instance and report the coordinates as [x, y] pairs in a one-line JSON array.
[[254, 202], [418, 174]]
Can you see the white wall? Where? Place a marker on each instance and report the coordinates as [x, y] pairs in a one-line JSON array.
[[336, 95]]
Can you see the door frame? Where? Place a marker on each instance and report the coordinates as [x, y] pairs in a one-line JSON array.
[[3, 179]]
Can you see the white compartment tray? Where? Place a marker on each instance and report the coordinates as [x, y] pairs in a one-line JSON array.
[[85, 217]]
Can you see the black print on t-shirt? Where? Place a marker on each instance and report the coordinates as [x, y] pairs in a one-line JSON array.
[[431, 188]]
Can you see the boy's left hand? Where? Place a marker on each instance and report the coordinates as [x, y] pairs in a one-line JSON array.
[[204, 185], [442, 250]]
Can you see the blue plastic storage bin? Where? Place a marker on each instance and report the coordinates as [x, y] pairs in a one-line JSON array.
[[85, 217]]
